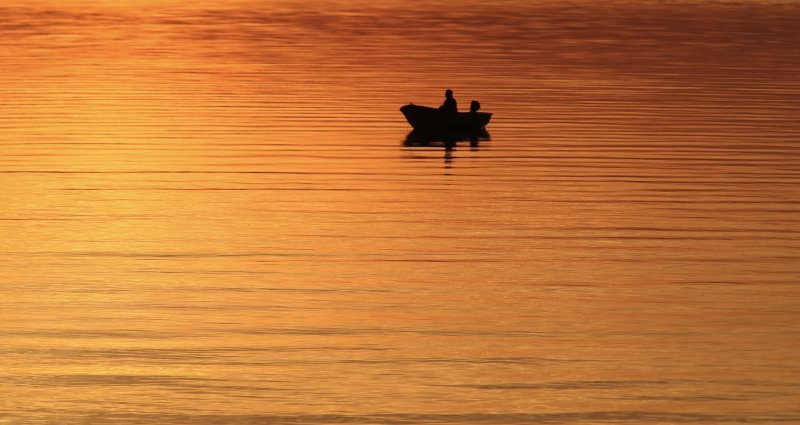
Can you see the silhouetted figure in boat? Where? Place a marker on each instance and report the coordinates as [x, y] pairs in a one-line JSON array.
[[450, 106], [474, 106]]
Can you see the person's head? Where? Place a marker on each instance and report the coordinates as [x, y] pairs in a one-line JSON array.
[[448, 93], [474, 106]]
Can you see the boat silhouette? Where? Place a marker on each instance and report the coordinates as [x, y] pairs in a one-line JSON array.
[[426, 118]]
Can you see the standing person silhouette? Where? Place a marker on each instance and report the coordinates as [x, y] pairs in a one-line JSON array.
[[449, 105]]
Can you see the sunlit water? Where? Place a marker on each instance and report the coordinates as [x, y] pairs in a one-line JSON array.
[[209, 216]]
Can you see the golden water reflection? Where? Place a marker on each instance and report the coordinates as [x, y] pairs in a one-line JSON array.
[[209, 214]]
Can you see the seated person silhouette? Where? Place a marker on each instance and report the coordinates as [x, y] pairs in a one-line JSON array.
[[474, 106], [473, 109], [449, 104]]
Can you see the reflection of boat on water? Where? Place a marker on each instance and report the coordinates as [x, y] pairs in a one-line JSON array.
[[423, 117], [446, 138]]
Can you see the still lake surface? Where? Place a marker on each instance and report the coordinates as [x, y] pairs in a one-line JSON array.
[[208, 214]]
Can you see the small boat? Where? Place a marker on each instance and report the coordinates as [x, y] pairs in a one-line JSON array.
[[423, 117]]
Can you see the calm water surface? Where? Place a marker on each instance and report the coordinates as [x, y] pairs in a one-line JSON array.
[[209, 215]]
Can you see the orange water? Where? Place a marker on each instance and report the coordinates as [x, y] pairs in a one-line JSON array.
[[208, 214]]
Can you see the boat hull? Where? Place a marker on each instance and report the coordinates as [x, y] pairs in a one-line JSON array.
[[423, 117]]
